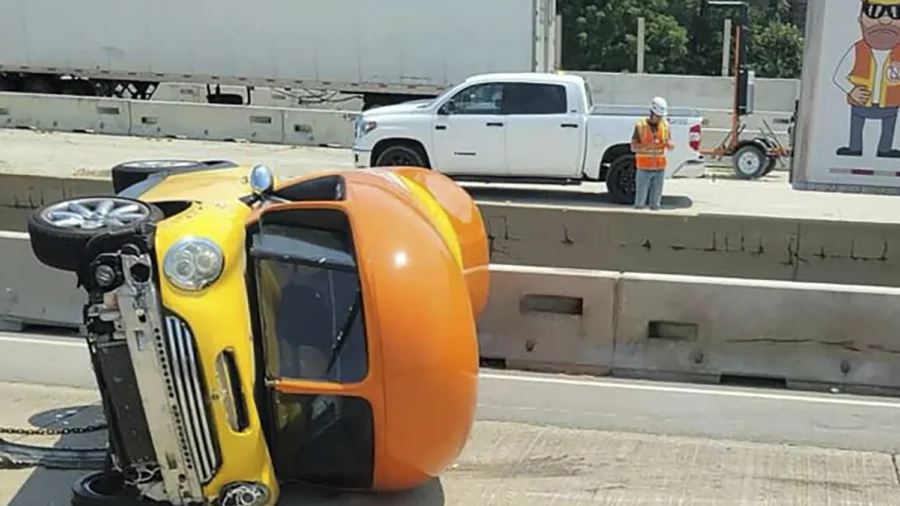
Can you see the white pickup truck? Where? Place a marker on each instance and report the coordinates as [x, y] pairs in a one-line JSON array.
[[521, 128]]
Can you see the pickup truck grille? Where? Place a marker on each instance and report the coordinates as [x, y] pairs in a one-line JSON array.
[[185, 384]]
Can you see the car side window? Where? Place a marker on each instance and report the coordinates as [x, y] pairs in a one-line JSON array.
[[485, 98], [535, 98]]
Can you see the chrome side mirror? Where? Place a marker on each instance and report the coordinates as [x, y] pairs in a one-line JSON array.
[[262, 179]]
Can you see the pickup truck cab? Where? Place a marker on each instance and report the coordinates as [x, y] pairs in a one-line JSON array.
[[521, 128]]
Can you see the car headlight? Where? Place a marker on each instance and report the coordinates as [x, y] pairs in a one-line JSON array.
[[193, 263]]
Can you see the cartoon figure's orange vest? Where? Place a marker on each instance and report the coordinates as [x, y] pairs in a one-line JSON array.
[[655, 157], [864, 73]]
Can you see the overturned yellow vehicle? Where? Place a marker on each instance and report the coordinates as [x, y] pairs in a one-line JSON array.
[[246, 333]]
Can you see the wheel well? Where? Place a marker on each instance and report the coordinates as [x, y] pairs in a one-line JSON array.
[[752, 142], [383, 144], [610, 155]]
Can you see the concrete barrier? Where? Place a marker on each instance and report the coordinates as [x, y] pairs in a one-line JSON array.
[[549, 319], [66, 113], [30, 192], [704, 244], [207, 122], [188, 118], [806, 334], [31, 293], [704, 92], [309, 127]]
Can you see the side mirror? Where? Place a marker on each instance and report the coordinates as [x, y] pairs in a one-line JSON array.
[[262, 180], [447, 108]]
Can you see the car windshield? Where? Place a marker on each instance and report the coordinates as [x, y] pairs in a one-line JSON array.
[[310, 307]]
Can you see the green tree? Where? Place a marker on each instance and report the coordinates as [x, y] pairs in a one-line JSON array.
[[682, 36], [776, 50], [602, 36]]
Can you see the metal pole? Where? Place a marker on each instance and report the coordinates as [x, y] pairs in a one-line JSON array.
[[726, 48], [558, 45], [640, 46]]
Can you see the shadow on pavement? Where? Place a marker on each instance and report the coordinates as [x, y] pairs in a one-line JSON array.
[[51, 487], [575, 197], [430, 494]]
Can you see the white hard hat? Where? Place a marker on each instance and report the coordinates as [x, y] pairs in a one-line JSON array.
[[659, 106]]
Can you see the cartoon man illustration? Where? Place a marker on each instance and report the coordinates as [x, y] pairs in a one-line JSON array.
[[869, 73]]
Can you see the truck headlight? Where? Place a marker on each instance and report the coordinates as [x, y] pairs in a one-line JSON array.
[[363, 127], [193, 263]]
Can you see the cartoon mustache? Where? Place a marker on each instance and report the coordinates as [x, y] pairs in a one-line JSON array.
[[886, 30]]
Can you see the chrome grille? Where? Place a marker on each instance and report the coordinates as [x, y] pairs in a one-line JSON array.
[[186, 386]]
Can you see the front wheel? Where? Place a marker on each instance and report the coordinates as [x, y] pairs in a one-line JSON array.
[[105, 488], [402, 155], [620, 180], [60, 232]]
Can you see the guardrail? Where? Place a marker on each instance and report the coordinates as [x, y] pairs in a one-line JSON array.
[[624, 324], [275, 125]]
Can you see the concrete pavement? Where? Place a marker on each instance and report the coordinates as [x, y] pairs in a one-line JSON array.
[[544, 439], [87, 157]]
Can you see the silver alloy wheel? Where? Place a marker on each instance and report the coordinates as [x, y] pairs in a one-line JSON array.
[[94, 213]]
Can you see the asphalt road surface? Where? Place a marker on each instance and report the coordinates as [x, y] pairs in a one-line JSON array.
[[548, 439]]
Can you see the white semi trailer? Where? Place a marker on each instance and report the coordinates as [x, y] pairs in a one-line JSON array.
[[386, 50], [846, 136]]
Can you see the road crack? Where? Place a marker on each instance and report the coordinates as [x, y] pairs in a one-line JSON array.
[[896, 468]]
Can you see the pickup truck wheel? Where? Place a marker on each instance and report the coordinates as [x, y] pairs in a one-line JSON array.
[[60, 232], [130, 173], [620, 180], [402, 155], [105, 488], [750, 161]]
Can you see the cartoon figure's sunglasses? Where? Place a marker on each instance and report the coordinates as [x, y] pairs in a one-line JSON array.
[[877, 11]]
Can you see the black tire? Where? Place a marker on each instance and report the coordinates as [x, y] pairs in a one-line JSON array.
[[620, 179], [773, 162], [402, 155], [65, 248], [130, 173], [750, 161], [105, 488]]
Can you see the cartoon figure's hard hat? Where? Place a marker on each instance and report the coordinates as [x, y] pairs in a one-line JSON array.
[[881, 2]]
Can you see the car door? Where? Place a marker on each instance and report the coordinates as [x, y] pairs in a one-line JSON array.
[[469, 137], [544, 134]]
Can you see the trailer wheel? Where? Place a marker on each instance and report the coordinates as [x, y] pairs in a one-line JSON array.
[[130, 173], [60, 231], [750, 161], [773, 162], [105, 488], [620, 179], [402, 155]]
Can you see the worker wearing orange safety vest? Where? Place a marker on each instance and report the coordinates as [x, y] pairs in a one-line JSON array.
[[869, 74], [649, 142]]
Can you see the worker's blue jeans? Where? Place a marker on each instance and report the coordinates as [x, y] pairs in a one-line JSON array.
[[648, 187]]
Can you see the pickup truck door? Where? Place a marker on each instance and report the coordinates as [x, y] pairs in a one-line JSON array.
[[544, 132], [469, 134]]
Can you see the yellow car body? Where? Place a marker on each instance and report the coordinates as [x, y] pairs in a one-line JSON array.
[[218, 316]]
